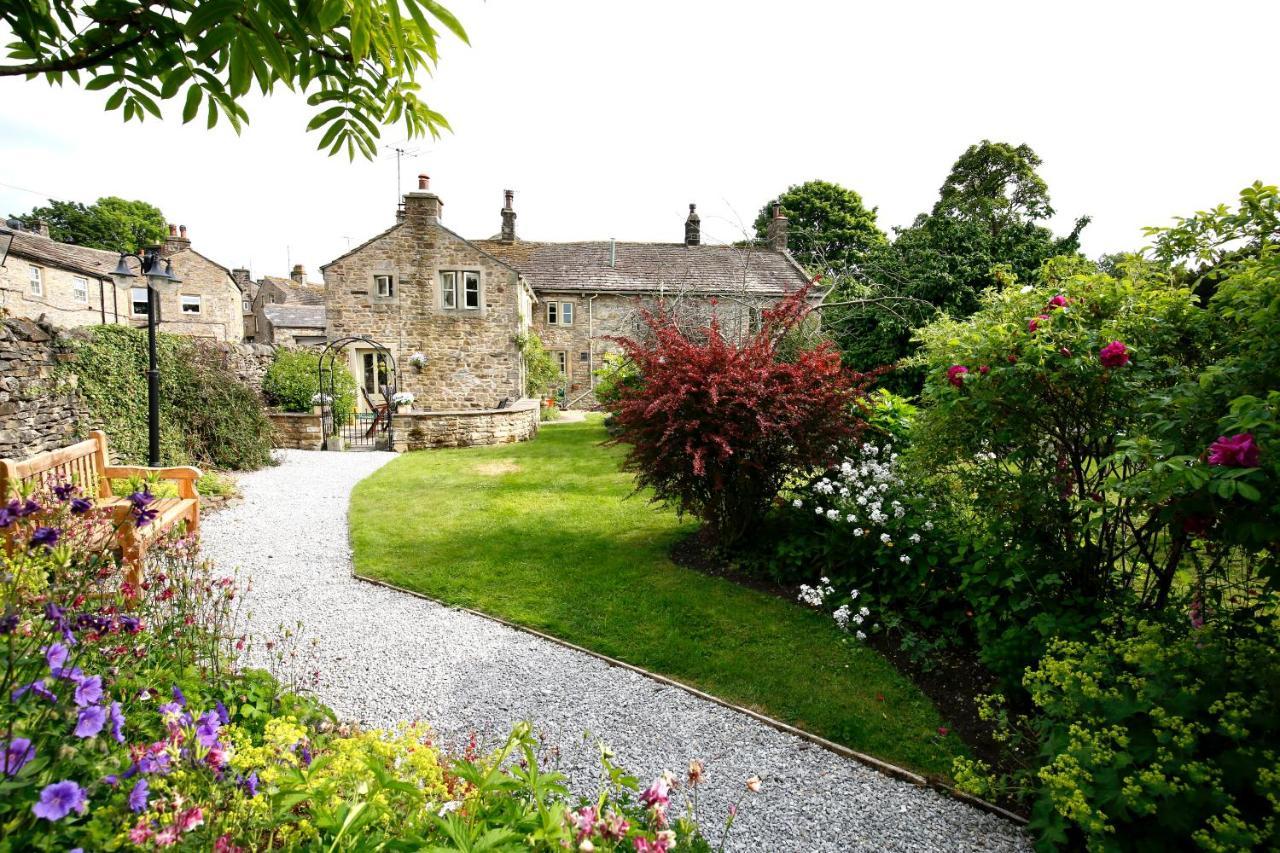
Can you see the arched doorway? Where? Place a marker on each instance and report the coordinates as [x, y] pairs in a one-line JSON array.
[[362, 423]]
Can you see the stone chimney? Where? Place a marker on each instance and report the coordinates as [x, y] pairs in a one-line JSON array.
[[693, 227], [299, 274], [40, 227], [508, 217], [241, 276], [176, 241], [423, 206], [776, 235]]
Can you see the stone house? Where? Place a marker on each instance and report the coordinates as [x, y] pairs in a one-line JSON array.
[[289, 311], [419, 287], [71, 286]]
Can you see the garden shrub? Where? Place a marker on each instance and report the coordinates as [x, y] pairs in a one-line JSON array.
[[292, 382], [617, 372], [541, 373], [1027, 404], [1164, 740], [207, 416], [716, 428], [126, 723]]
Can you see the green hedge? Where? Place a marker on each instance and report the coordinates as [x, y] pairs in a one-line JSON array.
[[293, 380], [207, 415]]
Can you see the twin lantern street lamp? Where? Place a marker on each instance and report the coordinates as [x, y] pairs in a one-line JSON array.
[[159, 275]]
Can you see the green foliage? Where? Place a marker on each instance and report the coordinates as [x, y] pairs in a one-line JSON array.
[[110, 223], [616, 373], [292, 382], [996, 185], [207, 416], [830, 227], [357, 60], [1164, 740], [540, 372]]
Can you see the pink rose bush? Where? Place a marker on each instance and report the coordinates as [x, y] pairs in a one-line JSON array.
[[1234, 451], [1114, 354]]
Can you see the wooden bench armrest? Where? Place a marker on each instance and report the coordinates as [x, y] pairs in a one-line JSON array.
[[184, 475]]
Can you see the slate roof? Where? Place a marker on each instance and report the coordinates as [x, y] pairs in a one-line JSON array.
[[297, 294], [290, 316], [649, 267], [44, 250]]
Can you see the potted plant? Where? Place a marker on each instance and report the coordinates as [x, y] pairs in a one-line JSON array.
[[418, 360], [401, 398]]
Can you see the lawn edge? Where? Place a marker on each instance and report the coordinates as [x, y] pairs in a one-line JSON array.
[[871, 761]]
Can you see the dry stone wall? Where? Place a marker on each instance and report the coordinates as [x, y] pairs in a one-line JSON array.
[[37, 412], [466, 428], [297, 430]]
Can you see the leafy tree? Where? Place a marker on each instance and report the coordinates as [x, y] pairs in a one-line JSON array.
[[356, 59], [541, 373], [996, 184], [830, 227], [111, 223]]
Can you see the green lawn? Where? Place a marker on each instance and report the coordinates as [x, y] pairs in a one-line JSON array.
[[544, 534]]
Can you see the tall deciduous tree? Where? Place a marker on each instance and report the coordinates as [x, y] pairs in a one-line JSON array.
[[355, 59], [830, 226], [110, 223], [995, 184]]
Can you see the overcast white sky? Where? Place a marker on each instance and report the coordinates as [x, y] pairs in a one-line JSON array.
[[608, 118]]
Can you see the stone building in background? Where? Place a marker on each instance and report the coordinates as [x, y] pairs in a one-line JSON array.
[[287, 311], [71, 286], [419, 287]]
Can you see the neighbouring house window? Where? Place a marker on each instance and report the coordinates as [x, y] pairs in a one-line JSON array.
[[471, 290], [80, 289], [190, 304], [561, 359], [35, 276], [138, 295], [384, 286], [559, 313], [248, 307], [756, 321], [448, 290]]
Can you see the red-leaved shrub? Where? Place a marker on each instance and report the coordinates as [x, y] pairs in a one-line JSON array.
[[716, 428]]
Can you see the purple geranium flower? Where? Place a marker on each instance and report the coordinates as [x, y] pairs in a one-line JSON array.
[[207, 729], [79, 506], [178, 696], [6, 517], [223, 716], [88, 691], [60, 799], [117, 721], [29, 507], [16, 754], [46, 536], [8, 623], [90, 721], [55, 656], [250, 783], [37, 687], [130, 624], [138, 796], [64, 491]]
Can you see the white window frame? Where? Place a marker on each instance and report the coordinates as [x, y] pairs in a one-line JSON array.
[[559, 313], [80, 289], [566, 313], [247, 306], [195, 297], [553, 313], [384, 278], [561, 359], [448, 289], [134, 302], [35, 280], [469, 279]]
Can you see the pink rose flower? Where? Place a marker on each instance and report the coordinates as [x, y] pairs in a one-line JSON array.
[[1057, 302], [955, 374], [1114, 354], [1035, 323], [1234, 451], [984, 370]]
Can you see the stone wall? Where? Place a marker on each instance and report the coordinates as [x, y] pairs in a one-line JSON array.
[[465, 428], [473, 360], [297, 430], [36, 414], [249, 362]]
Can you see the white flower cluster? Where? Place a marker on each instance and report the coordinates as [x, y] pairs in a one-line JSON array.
[[815, 595]]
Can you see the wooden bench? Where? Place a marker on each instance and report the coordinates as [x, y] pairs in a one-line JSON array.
[[87, 465]]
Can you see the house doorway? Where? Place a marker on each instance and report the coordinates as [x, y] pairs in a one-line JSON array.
[[363, 423]]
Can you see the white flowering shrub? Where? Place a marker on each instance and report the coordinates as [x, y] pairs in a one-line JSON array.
[[867, 530]]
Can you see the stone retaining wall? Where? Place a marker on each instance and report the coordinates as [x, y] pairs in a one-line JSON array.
[[297, 430], [467, 428], [37, 413]]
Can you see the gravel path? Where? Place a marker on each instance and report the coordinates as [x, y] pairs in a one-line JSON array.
[[386, 656]]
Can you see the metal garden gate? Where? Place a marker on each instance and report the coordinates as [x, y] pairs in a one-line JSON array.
[[347, 427]]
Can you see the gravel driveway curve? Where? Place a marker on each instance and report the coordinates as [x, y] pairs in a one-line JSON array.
[[386, 656]]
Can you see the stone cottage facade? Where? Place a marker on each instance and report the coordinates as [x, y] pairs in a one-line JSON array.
[[420, 287], [71, 286], [289, 311]]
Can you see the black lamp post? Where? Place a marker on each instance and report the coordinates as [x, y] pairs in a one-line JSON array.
[[157, 277]]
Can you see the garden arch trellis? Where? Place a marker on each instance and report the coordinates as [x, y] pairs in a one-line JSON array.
[[355, 429]]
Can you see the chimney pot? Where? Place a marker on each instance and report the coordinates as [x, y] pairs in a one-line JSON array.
[[693, 227], [173, 230], [776, 236], [299, 274], [508, 234], [424, 182], [182, 231]]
